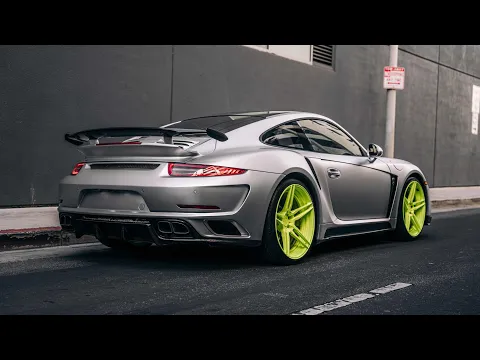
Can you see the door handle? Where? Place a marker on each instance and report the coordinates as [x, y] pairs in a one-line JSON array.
[[333, 173]]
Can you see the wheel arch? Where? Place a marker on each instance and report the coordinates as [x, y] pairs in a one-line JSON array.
[[422, 180], [417, 174], [272, 251], [308, 183], [313, 188]]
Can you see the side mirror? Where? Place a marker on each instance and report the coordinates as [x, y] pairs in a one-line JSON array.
[[374, 150]]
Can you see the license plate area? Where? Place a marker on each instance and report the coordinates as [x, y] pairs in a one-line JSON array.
[[113, 200]]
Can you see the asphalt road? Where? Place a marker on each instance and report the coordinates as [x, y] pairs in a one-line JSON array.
[[437, 274]]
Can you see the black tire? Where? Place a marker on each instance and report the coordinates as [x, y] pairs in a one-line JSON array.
[[400, 232], [271, 251]]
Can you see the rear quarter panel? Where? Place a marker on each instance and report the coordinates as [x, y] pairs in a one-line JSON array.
[[284, 162], [259, 158], [262, 159]]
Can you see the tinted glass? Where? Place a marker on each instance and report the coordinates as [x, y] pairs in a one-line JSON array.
[[287, 135], [222, 123], [326, 138]]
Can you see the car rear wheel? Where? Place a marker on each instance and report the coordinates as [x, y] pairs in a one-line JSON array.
[[411, 211], [290, 226]]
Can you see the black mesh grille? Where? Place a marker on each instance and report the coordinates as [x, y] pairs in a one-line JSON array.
[[123, 166]]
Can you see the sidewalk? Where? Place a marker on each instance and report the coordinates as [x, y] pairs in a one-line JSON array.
[[455, 194], [24, 220], [42, 222]]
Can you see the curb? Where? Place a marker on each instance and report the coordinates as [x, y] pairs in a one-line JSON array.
[[38, 238], [51, 229], [456, 202], [16, 239]]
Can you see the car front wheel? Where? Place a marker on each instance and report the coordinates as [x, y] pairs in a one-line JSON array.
[[411, 211]]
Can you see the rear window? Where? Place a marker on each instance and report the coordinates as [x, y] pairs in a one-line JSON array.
[[223, 123]]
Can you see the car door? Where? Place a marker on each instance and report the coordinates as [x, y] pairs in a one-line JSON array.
[[359, 189]]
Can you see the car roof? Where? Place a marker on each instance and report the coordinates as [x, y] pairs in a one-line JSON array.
[[258, 113], [245, 131], [225, 121]]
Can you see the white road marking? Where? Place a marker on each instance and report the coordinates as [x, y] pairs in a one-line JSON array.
[[388, 288], [358, 297], [316, 310], [325, 307]]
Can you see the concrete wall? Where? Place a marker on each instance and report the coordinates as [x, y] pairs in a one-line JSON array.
[[46, 91]]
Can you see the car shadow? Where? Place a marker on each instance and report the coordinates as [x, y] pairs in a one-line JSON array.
[[374, 241], [185, 257], [352, 242], [204, 257]]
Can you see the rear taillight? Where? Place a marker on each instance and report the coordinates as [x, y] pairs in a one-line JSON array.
[[188, 170], [77, 168]]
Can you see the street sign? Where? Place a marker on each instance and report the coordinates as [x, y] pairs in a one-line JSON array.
[[475, 108], [475, 123], [393, 77], [476, 99]]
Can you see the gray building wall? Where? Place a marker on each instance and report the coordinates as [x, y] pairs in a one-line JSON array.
[[46, 91]]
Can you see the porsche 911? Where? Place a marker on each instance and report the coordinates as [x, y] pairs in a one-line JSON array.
[[281, 181]]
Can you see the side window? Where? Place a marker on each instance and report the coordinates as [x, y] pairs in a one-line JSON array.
[[287, 135], [326, 138]]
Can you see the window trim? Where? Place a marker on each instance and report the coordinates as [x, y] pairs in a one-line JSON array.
[[345, 132], [362, 150], [262, 135]]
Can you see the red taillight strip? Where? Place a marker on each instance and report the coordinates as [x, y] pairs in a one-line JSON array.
[[77, 168], [198, 170]]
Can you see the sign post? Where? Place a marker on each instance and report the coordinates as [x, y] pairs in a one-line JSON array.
[[393, 80]]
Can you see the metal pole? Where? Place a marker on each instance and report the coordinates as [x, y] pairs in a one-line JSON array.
[[391, 104]]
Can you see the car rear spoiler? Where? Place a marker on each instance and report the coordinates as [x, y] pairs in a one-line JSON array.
[[86, 137]]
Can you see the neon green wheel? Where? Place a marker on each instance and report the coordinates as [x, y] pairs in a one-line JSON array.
[[414, 208], [295, 221]]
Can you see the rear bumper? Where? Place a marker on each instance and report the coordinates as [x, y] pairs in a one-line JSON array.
[[239, 200], [160, 230]]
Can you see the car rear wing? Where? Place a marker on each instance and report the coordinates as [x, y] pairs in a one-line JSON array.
[[90, 137], [89, 144]]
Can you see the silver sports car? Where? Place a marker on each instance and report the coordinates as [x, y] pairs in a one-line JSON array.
[[280, 180]]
